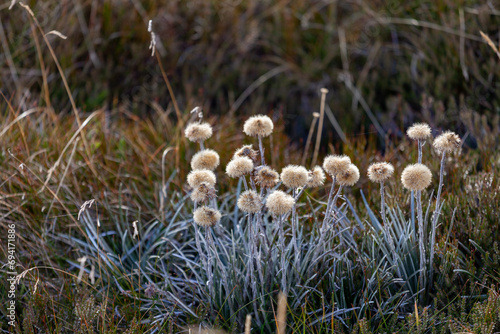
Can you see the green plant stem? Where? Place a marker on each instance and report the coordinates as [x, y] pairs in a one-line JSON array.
[[282, 253]]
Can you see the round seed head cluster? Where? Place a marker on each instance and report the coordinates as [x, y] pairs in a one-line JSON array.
[[419, 131], [258, 126], [349, 177], [294, 176], [206, 217], [203, 193], [316, 177], [447, 142], [239, 167], [279, 203], [267, 177], [250, 202], [197, 132], [380, 171], [196, 177], [205, 159], [247, 151], [336, 164], [416, 177]]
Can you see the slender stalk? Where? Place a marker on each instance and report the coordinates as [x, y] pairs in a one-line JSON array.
[[261, 149], [208, 267], [412, 207], [327, 213], [282, 254], [324, 91], [435, 217], [202, 146], [384, 219], [252, 257], [309, 139], [420, 145], [420, 218], [334, 201]]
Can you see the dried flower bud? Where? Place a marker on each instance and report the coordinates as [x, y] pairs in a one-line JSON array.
[[336, 164], [267, 177], [349, 177], [316, 177], [380, 171], [250, 202], [419, 131], [197, 132], [203, 193], [279, 203], [239, 167], [258, 126], [205, 159], [447, 142], [416, 177], [247, 151], [294, 176], [206, 217], [202, 175]]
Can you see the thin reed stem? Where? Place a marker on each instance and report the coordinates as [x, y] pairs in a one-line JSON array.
[[282, 253], [309, 140], [261, 149], [384, 218], [421, 234], [435, 217], [324, 91]]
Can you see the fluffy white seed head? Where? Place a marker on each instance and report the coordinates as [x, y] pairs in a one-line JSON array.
[[197, 132], [416, 177], [205, 159], [196, 177], [203, 193], [419, 131], [247, 151], [250, 202], [316, 177], [258, 126], [336, 164], [267, 177], [349, 177], [279, 203], [380, 171], [447, 142], [239, 167], [294, 176], [206, 217]]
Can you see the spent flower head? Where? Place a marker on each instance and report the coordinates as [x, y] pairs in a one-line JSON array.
[[349, 177], [205, 159], [294, 176], [203, 193], [258, 126], [416, 177], [250, 202], [196, 177], [447, 142], [197, 132], [380, 171], [316, 177], [247, 151], [267, 177], [206, 217], [336, 164], [239, 166], [279, 202], [419, 131]]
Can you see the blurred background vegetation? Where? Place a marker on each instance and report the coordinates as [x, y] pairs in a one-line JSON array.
[[400, 60]]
